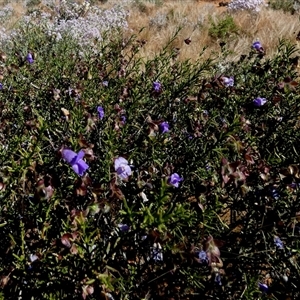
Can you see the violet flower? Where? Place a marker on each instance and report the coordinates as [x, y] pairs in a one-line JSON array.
[[203, 257], [174, 180], [278, 242], [1, 86], [294, 185], [258, 102], [122, 168], [105, 83], [123, 120], [123, 227], [29, 58], [75, 161], [100, 112], [164, 127], [263, 287], [228, 81], [257, 46], [157, 86]]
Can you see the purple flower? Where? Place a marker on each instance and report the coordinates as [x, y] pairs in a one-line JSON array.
[[75, 161], [259, 101], [29, 58], [123, 120], [164, 127], [228, 81], [203, 257], [105, 83], [100, 112], [123, 227], [263, 287], [1, 86], [278, 242], [257, 46], [122, 168], [157, 86], [294, 185], [174, 179]]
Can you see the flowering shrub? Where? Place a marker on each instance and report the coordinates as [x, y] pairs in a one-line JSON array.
[[181, 186]]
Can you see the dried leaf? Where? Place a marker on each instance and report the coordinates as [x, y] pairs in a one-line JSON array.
[[73, 249], [188, 41], [83, 143], [3, 56], [65, 240], [97, 189], [89, 154], [2, 186], [56, 94], [4, 281], [115, 190]]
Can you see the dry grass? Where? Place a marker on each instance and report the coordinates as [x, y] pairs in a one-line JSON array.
[[193, 16], [268, 26]]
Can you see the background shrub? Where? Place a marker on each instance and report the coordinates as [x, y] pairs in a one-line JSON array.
[[223, 28], [290, 6]]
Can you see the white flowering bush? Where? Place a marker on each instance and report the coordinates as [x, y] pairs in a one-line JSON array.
[[83, 22], [89, 28], [5, 13], [253, 5]]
